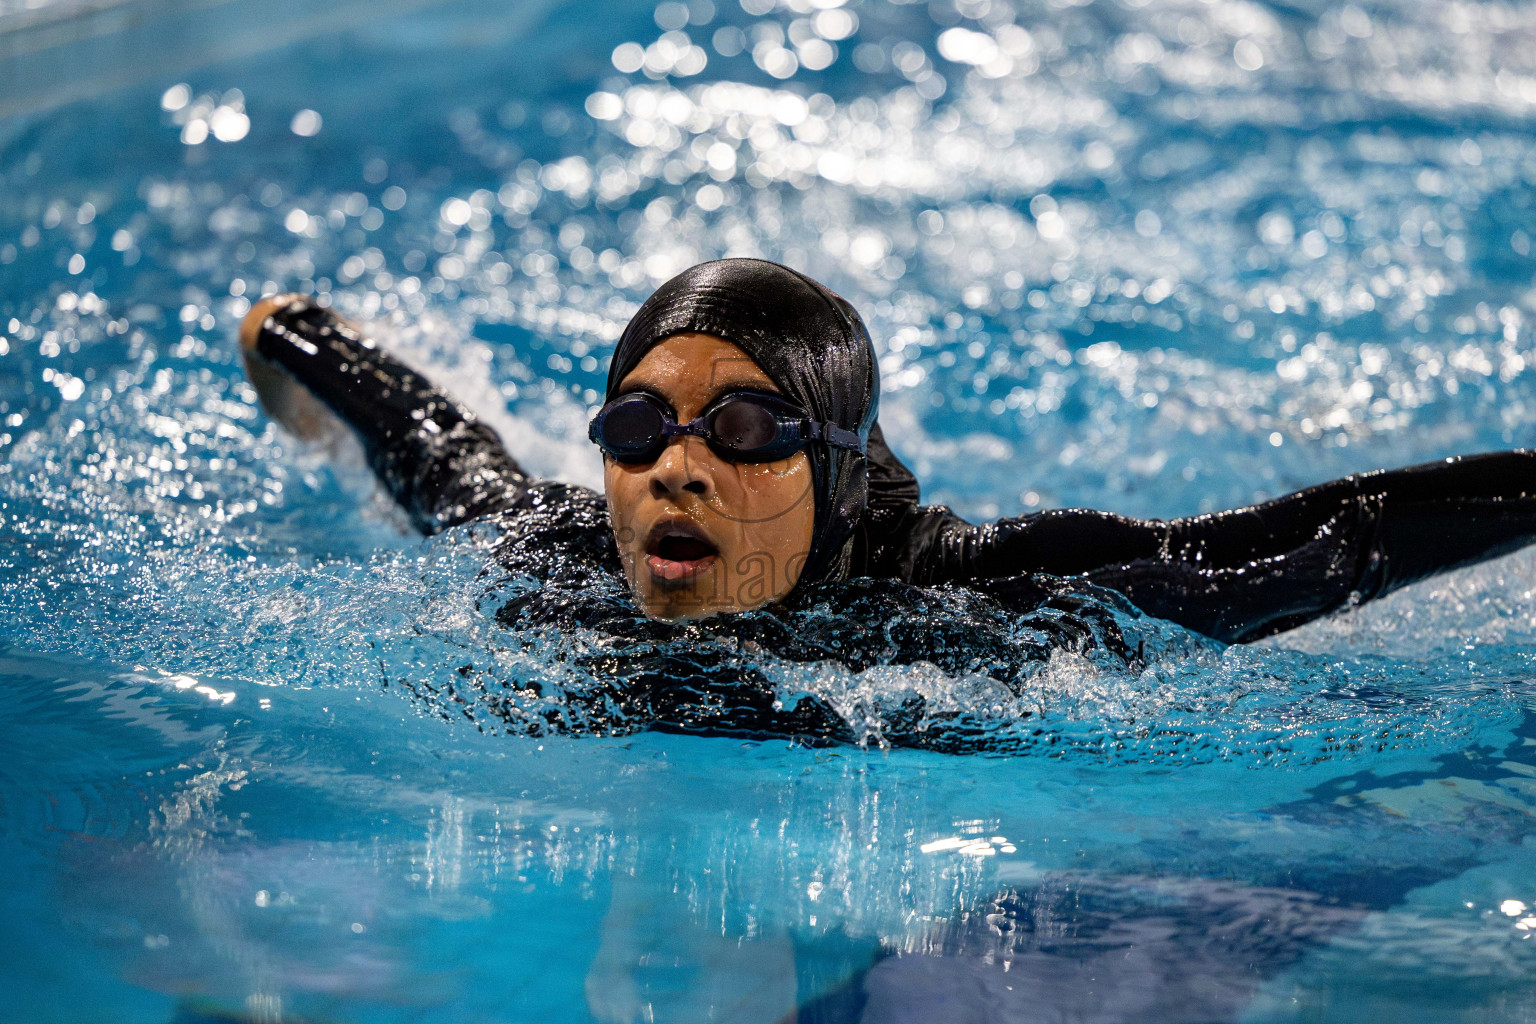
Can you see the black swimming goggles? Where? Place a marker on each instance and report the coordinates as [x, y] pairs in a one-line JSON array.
[[740, 426]]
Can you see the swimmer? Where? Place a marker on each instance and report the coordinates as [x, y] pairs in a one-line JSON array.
[[744, 466]]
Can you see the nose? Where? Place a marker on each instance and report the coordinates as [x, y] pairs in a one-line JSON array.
[[684, 466]]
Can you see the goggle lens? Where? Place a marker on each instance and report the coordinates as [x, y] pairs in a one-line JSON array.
[[633, 431], [744, 426]]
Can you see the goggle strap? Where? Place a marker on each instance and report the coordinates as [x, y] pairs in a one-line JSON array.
[[836, 435]]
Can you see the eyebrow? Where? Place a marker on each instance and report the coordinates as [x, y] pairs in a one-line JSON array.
[[641, 388], [765, 386], [760, 387]]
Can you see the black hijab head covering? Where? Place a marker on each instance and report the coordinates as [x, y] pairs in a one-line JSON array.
[[811, 344]]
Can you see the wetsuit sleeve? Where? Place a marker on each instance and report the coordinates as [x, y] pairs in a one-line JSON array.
[[432, 455], [1248, 573]]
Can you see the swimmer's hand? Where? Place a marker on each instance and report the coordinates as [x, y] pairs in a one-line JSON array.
[[284, 398]]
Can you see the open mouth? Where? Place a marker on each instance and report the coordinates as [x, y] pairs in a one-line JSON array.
[[678, 551]]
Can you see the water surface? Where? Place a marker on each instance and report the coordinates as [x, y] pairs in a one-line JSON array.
[[1152, 257]]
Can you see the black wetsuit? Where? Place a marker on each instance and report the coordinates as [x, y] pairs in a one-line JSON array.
[[1234, 576]]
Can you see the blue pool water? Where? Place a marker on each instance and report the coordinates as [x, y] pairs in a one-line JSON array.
[[1157, 256]]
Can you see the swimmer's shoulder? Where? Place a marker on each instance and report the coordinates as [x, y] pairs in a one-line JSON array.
[[554, 517], [548, 512]]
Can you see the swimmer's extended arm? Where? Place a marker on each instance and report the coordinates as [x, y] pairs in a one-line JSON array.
[[438, 462], [1251, 572]]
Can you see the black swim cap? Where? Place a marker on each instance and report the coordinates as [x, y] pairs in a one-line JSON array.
[[810, 342]]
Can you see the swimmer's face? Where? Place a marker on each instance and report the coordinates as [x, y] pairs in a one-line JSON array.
[[697, 534]]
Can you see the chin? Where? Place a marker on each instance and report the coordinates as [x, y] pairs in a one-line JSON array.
[[671, 614], [674, 603], [681, 605], [682, 611]]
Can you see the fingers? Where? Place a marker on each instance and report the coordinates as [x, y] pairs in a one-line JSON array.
[[285, 399], [250, 327]]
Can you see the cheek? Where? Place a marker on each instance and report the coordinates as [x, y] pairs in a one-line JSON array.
[[773, 503], [621, 489]]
